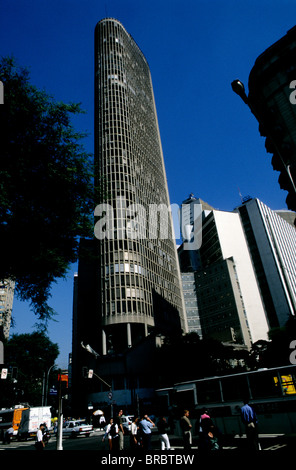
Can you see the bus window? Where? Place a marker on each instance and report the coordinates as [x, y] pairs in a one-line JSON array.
[[184, 399], [288, 384], [263, 385], [235, 388], [208, 391]]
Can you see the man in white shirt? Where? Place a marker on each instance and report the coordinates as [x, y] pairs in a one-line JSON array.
[[39, 444]]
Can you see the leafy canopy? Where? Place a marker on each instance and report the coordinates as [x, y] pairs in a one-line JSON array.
[[32, 354], [46, 188]]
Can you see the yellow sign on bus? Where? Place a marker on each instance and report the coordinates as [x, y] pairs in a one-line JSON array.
[[288, 384]]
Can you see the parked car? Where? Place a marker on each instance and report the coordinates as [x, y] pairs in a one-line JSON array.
[[127, 423], [77, 428]]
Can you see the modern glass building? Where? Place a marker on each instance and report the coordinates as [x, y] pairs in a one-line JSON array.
[[272, 245], [139, 282]]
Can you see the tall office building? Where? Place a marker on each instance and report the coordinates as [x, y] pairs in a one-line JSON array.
[[191, 210], [230, 307], [191, 304], [272, 244], [139, 282], [229, 300]]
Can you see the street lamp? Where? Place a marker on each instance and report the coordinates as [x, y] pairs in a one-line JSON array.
[[90, 350], [47, 380], [94, 353], [60, 415], [238, 88]]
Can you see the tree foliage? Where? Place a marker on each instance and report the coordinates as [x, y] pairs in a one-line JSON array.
[[46, 189], [275, 352], [188, 357], [32, 354]]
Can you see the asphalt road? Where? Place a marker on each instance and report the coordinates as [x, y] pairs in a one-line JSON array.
[[94, 454], [94, 443]]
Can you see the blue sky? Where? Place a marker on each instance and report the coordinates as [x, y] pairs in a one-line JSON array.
[[195, 48]]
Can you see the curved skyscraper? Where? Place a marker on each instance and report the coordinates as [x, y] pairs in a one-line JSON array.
[[140, 286]]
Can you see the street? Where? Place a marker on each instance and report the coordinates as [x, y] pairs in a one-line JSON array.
[[94, 442]]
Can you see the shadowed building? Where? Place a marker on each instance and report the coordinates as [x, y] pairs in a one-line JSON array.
[[272, 100]]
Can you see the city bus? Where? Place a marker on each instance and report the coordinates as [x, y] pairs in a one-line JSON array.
[[271, 392]]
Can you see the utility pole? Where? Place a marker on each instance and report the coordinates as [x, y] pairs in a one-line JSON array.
[[60, 415], [47, 380], [89, 349], [43, 389]]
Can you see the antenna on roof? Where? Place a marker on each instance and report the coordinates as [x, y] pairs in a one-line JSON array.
[[240, 195]]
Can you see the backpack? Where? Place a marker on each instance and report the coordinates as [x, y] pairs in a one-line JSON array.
[[214, 444]]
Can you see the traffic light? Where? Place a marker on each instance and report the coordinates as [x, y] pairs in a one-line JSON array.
[[87, 373], [64, 379], [14, 372], [63, 384]]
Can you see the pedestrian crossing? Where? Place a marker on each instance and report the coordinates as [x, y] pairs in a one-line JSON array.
[[16, 445]]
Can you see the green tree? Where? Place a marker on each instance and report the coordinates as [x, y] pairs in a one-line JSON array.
[[46, 188], [278, 352], [32, 354], [187, 357], [275, 352]]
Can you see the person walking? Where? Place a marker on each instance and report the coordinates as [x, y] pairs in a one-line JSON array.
[[113, 435], [118, 421], [162, 426], [102, 422], [186, 430], [8, 435], [39, 443], [145, 426], [249, 418], [210, 435], [134, 436]]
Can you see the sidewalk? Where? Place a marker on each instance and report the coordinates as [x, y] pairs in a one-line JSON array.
[[273, 442]]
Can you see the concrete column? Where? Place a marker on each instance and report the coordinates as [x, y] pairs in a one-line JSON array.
[[104, 343], [129, 335]]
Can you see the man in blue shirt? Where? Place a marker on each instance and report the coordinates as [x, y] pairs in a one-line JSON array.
[[145, 426], [249, 419]]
